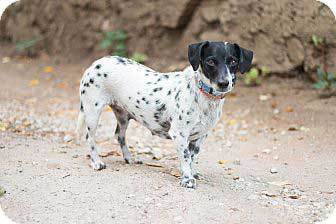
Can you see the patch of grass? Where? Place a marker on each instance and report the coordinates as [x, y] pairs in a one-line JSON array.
[[253, 77], [23, 45], [2, 191], [317, 40], [325, 80], [115, 40], [139, 57]]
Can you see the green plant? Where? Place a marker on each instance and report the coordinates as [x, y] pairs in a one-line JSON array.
[[116, 40], [325, 80], [317, 40], [27, 44], [252, 78], [139, 57], [265, 71]]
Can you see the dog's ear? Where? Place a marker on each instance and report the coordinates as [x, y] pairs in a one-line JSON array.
[[245, 58], [195, 52]]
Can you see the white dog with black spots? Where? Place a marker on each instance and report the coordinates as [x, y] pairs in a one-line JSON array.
[[183, 106]]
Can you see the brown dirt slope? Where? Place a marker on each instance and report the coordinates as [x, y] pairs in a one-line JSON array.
[[278, 31]]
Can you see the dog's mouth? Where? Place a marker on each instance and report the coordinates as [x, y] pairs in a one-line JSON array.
[[223, 88]]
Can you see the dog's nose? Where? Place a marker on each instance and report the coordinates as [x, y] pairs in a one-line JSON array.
[[224, 84]]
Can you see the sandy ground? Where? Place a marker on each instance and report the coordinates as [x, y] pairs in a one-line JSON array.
[[281, 126]]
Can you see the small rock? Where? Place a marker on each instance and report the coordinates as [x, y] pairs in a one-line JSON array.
[[75, 156], [266, 151], [274, 203], [276, 111], [145, 150], [236, 162], [263, 97], [67, 138], [242, 132], [235, 177], [157, 154], [273, 170]]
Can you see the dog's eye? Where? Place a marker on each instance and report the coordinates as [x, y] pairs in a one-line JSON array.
[[211, 62], [233, 62]]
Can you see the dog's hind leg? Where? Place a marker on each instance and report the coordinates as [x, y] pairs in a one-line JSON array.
[[92, 113], [123, 120]]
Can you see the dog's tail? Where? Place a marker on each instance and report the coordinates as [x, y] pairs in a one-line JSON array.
[[80, 125]]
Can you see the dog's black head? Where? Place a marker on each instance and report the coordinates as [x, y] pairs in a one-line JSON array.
[[219, 62]]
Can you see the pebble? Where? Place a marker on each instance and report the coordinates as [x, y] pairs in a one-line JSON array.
[[273, 170], [263, 97], [236, 162], [229, 144], [157, 155], [276, 111], [266, 151]]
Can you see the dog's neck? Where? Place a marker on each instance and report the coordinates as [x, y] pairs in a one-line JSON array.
[[204, 86]]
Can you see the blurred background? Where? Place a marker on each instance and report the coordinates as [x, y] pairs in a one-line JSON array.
[[286, 36], [270, 159]]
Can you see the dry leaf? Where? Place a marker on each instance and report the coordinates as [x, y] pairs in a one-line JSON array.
[[274, 104], [243, 139], [2, 126], [280, 183], [289, 109], [154, 165], [294, 196], [175, 173], [222, 161], [5, 60], [48, 69], [292, 128], [34, 82], [62, 85], [232, 122], [110, 153]]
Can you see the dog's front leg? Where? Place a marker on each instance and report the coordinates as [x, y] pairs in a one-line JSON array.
[[194, 147], [184, 153]]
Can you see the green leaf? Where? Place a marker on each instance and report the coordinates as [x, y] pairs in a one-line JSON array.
[[138, 57], [120, 47], [320, 85], [120, 35], [105, 44], [253, 73], [331, 76], [265, 70], [25, 44], [320, 73], [110, 35]]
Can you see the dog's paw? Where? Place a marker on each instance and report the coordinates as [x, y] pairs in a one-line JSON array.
[[99, 165], [133, 161], [188, 182]]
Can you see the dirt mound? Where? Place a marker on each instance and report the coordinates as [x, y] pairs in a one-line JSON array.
[[280, 32]]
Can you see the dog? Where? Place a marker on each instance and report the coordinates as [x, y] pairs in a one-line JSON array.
[[183, 106]]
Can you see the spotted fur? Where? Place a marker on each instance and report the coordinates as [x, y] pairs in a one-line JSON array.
[[170, 105]]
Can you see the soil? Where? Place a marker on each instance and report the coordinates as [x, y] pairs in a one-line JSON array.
[[271, 158], [279, 32]]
